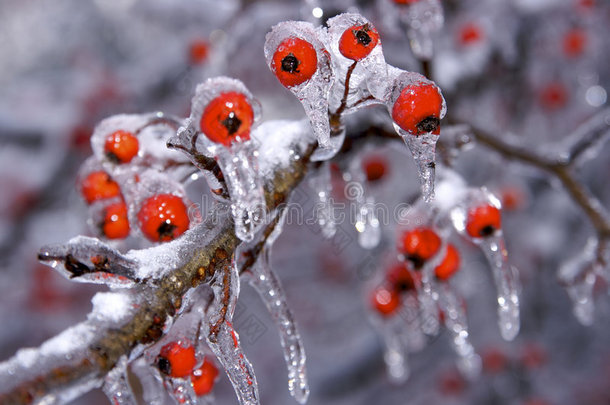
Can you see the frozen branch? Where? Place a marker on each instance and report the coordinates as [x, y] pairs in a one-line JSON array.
[[78, 359]]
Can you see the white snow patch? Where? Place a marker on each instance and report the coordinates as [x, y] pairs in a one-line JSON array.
[[112, 306]]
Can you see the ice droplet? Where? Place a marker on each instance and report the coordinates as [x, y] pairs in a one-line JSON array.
[[324, 209], [116, 387], [268, 286], [469, 363], [507, 285]]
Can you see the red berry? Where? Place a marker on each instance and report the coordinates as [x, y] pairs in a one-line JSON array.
[[116, 224], [405, 1], [452, 383], [574, 42], [494, 360], [177, 359], [553, 96], [374, 167], [99, 186], [450, 264], [483, 221], [163, 217], [204, 377], [198, 51], [400, 278], [470, 34], [121, 146], [418, 108], [294, 62], [419, 245], [358, 41], [533, 356], [226, 117], [385, 300]]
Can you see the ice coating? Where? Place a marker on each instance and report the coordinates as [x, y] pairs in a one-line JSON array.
[[313, 93], [181, 390], [469, 363], [238, 162], [422, 146], [89, 260], [222, 338], [506, 277], [427, 295], [324, 210], [116, 387], [370, 70]]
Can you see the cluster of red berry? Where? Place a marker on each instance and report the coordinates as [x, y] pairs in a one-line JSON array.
[[178, 360], [419, 246], [160, 217]]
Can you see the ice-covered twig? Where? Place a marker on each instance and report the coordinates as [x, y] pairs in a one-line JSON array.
[[186, 140], [56, 371], [83, 257], [588, 137]]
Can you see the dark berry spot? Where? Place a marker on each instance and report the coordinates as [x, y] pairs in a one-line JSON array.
[[417, 261], [487, 231], [290, 63], [164, 365], [166, 230], [363, 37], [75, 267], [404, 286], [431, 165], [112, 157], [428, 124], [232, 123]]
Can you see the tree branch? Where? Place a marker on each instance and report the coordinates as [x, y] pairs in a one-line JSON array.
[[25, 382]]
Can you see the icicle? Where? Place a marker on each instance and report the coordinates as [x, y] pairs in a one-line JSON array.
[[312, 83], [225, 111], [469, 363], [412, 334], [269, 288], [427, 294], [240, 169], [395, 351], [324, 208], [478, 218], [223, 340], [153, 391], [116, 387], [417, 106], [507, 285], [423, 149], [579, 275]]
